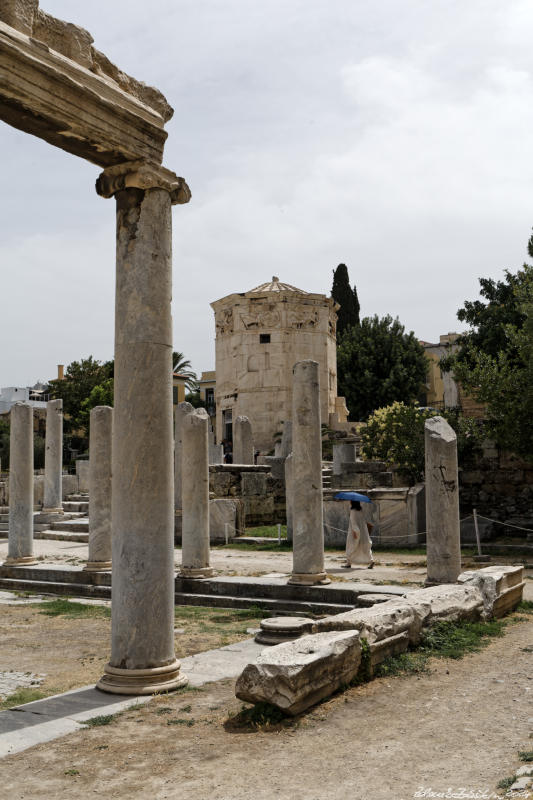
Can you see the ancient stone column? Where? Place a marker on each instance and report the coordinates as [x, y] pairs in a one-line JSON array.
[[288, 495], [443, 538], [286, 439], [100, 450], [181, 411], [53, 457], [142, 644], [306, 479], [20, 542], [243, 446], [195, 496]]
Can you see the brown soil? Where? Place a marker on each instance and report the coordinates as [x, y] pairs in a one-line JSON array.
[[72, 652], [459, 726]]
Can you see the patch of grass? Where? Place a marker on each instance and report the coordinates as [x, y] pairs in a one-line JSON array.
[[455, 639], [364, 673], [267, 530], [526, 755], [186, 709], [27, 695], [72, 771], [63, 607], [261, 716], [164, 710], [526, 607], [414, 663], [97, 722], [180, 721], [271, 546], [506, 783]]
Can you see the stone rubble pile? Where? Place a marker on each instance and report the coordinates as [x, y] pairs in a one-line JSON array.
[[297, 674]]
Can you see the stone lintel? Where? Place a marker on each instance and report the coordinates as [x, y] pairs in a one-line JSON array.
[[141, 175], [82, 110]]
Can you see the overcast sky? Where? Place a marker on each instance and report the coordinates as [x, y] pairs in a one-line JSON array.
[[394, 137]]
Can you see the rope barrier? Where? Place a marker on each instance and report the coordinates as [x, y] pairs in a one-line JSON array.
[[507, 524]]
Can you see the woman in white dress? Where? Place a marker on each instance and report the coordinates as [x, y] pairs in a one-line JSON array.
[[358, 544]]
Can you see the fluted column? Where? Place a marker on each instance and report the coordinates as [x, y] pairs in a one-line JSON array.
[[306, 477], [100, 472], [53, 458], [195, 551], [20, 541], [142, 616]]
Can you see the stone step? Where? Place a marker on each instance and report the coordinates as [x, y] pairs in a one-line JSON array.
[[59, 536], [267, 605], [4, 527], [77, 498], [71, 526], [76, 506]]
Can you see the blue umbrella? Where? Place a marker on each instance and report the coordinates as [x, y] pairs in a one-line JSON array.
[[352, 496]]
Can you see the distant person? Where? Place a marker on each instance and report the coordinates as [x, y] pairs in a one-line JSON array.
[[228, 451], [358, 544]]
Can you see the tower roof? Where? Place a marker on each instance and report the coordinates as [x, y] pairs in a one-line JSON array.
[[275, 285]]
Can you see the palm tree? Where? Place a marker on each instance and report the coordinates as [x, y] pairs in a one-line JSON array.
[[183, 366]]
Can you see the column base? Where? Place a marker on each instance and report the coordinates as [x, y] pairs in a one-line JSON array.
[[309, 578], [21, 561], [192, 572], [142, 681], [52, 510], [97, 566]]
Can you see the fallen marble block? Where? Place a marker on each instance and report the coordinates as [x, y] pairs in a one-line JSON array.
[[296, 675], [448, 602], [501, 587], [386, 648], [380, 621]]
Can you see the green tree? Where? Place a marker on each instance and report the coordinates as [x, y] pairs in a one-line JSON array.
[[80, 379], [346, 297], [378, 363], [184, 367], [100, 395], [4, 441]]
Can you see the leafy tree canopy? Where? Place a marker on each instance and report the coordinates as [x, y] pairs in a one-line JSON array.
[[80, 379], [346, 297], [378, 363]]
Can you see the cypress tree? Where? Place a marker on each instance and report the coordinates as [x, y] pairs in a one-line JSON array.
[[346, 297]]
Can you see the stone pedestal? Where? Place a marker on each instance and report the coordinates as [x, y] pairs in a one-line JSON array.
[[100, 448], [142, 646], [443, 537], [195, 549], [216, 454], [243, 446], [20, 543], [53, 457], [307, 514], [275, 630], [180, 412]]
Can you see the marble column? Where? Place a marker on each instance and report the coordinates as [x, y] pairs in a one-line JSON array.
[[443, 537], [286, 439], [181, 411], [142, 659], [20, 542], [306, 479], [53, 458], [195, 494], [243, 446], [100, 450], [288, 495]]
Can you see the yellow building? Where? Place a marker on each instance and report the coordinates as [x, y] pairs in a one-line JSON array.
[[178, 388]]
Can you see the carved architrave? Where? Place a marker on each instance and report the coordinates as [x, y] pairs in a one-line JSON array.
[[266, 319], [301, 320]]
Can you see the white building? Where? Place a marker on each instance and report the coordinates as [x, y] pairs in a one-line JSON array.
[[33, 395]]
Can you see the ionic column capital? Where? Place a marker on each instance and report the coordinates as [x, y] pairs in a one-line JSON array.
[[142, 175]]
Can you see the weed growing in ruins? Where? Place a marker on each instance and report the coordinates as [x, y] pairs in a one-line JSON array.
[[67, 608], [403, 664], [506, 783], [97, 722], [72, 771], [22, 696], [526, 755], [454, 639], [164, 710], [364, 673], [526, 607], [262, 716], [181, 721]]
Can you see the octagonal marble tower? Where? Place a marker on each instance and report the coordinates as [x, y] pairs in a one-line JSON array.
[[260, 335]]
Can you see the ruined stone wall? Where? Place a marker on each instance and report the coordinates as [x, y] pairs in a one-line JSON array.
[[263, 496]]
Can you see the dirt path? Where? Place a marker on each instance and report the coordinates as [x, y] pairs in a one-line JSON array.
[[459, 726]]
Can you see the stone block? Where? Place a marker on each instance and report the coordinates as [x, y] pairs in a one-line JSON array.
[[448, 602], [222, 511], [393, 646], [336, 520], [64, 37], [276, 464], [380, 621], [364, 466], [258, 510], [19, 14], [253, 483], [38, 490], [69, 485], [220, 483], [501, 587], [343, 454], [82, 473], [295, 675]]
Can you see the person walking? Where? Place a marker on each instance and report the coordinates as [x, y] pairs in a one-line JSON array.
[[358, 544]]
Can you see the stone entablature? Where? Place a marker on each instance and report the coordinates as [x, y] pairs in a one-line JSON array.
[[260, 335]]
